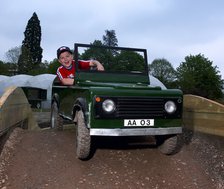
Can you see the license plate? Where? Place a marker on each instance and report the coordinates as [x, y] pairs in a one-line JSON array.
[[139, 122]]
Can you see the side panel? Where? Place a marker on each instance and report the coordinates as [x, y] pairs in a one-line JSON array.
[[67, 96], [106, 77]]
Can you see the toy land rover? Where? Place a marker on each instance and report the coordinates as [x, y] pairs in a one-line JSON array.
[[118, 101]]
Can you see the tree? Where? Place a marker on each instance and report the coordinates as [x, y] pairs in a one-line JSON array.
[[128, 61], [197, 76], [110, 38], [31, 51], [13, 54], [164, 71], [3, 68], [25, 61], [42, 69], [94, 52], [121, 60], [53, 66]]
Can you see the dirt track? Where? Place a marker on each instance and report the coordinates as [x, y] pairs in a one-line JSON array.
[[46, 159]]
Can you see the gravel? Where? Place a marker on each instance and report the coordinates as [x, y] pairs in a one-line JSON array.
[[206, 150], [6, 153]]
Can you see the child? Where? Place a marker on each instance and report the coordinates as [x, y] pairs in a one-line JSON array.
[[66, 71]]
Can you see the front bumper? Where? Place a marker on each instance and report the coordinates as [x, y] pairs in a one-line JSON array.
[[136, 131]]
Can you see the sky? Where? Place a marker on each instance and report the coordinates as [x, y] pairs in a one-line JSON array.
[[170, 29]]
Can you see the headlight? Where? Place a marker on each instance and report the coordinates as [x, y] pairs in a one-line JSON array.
[[170, 107], [108, 106]]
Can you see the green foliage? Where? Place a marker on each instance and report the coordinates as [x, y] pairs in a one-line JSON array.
[[53, 66], [164, 71], [97, 43], [7, 68], [3, 69], [116, 60], [31, 52], [110, 40], [42, 68], [93, 52], [129, 61], [96, 53], [25, 61], [197, 76]]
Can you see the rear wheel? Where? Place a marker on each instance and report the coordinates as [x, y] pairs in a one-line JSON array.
[[169, 144], [56, 119], [83, 138]]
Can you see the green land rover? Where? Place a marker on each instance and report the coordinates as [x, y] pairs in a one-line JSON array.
[[119, 101]]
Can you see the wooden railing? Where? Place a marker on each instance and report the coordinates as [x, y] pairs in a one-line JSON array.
[[15, 110], [203, 115]]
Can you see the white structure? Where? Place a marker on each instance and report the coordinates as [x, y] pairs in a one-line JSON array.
[[43, 81], [155, 82]]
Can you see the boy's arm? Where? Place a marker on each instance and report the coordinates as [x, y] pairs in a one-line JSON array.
[[67, 81], [98, 65]]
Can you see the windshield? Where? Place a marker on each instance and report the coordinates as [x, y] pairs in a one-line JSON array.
[[114, 59]]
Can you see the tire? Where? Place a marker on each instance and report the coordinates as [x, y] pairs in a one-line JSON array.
[[83, 138], [56, 119], [170, 144]]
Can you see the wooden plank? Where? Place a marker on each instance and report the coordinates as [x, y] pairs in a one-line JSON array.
[[15, 108], [203, 115]]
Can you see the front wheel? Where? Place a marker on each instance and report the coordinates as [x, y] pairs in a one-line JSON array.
[[83, 138], [56, 119], [170, 144]]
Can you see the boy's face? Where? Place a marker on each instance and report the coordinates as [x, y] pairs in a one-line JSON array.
[[65, 59]]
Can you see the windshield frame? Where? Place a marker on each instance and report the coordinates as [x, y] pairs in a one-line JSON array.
[[144, 71]]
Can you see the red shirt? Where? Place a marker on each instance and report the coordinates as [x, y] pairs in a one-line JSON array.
[[63, 72]]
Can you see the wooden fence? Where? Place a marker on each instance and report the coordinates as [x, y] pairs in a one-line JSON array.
[[15, 110], [203, 115]]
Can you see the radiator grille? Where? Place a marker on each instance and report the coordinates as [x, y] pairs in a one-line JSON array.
[[132, 107]]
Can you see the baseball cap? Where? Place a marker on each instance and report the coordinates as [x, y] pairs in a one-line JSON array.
[[63, 49]]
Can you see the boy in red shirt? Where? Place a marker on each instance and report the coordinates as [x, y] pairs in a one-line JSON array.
[[66, 71]]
